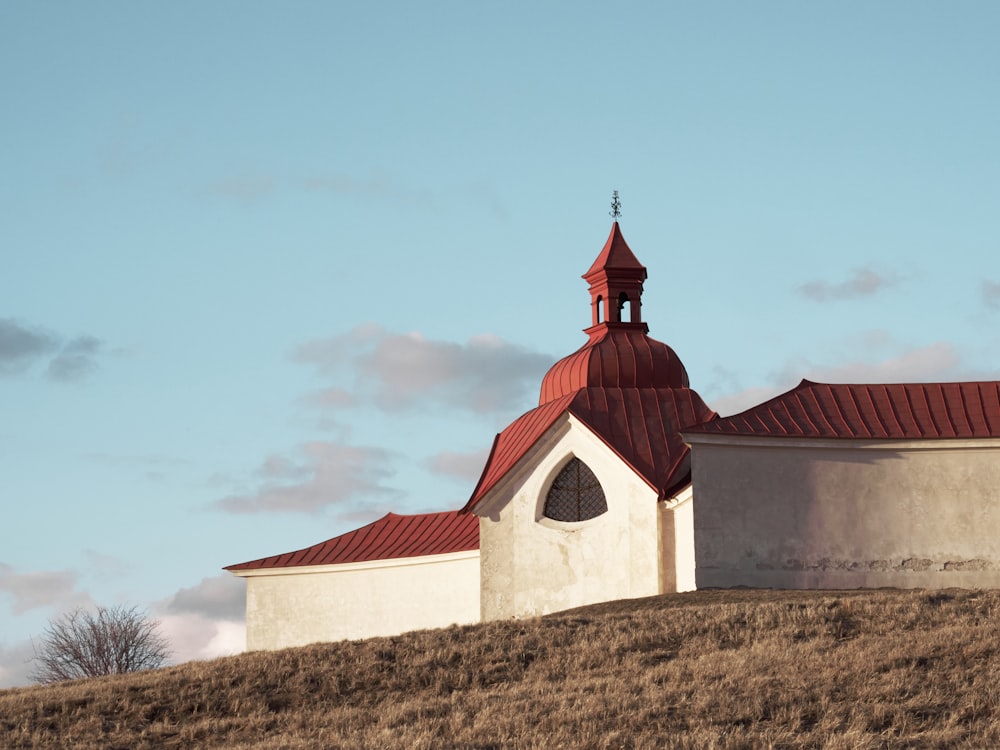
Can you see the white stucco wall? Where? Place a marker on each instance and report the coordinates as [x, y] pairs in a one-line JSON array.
[[844, 514], [677, 550], [295, 606], [531, 565]]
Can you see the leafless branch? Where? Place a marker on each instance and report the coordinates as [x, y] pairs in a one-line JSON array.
[[112, 640]]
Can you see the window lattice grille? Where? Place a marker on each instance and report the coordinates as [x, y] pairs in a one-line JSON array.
[[575, 495]]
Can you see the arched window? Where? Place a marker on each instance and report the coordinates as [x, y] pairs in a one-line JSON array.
[[624, 304], [575, 495], [600, 309]]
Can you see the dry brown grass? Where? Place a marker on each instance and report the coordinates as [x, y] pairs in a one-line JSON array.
[[715, 669]]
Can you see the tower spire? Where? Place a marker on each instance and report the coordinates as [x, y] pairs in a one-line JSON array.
[[615, 280]]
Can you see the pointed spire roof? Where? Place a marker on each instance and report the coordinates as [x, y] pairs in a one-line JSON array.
[[615, 256]]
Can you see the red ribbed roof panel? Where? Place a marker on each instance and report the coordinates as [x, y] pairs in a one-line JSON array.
[[516, 439], [391, 537], [896, 411], [619, 357], [642, 425]]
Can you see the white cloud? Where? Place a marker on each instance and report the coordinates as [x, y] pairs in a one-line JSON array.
[[40, 588], [194, 636], [16, 664], [864, 283], [734, 403], [220, 597], [403, 371], [206, 620], [938, 361], [935, 362], [327, 474]]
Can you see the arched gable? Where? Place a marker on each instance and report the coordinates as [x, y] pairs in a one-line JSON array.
[[533, 564]]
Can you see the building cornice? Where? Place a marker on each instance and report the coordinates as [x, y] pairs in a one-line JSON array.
[[873, 444], [398, 562]]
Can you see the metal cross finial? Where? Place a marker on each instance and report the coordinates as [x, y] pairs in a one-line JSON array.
[[616, 206]]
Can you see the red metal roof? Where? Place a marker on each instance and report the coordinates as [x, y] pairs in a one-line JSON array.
[[642, 425], [902, 411], [621, 356], [629, 389], [616, 255], [390, 537]]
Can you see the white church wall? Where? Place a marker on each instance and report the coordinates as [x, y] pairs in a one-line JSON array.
[[296, 606], [846, 514], [532, 565], [677, 524]]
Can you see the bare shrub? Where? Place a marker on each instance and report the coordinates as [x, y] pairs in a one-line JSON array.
[[112, 640]]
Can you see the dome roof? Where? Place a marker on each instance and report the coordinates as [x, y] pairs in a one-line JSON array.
[[621, 356]]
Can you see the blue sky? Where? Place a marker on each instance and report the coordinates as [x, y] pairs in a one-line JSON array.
[[270, 270]]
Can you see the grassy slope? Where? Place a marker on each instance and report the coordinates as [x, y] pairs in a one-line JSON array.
[[724, 669]]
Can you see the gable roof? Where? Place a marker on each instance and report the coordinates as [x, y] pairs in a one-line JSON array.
[[641, 425], [391, 537], [902, 411]]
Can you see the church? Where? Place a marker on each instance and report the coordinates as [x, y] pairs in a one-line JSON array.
[[623, 483]]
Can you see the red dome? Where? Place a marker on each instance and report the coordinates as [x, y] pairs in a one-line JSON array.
[[617, 356]]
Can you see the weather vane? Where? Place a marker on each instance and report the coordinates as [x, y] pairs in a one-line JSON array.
[[616, 206]]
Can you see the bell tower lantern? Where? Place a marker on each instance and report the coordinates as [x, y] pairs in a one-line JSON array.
[[615, 281]]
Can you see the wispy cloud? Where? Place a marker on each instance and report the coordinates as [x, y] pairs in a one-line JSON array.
[[485, 195], [244, 188], [23, 346], [864, 283], [466, 466], [76, 359], [402, 371], [101, 566], [991, 294], [326, 474], [40, 588], [251, 186], [939, 361], [331, 398], [377, 185]]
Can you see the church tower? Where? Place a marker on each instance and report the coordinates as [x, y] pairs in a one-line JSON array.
[[586, 498], [615, 280]]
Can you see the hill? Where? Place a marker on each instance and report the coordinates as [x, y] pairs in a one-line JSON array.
[[710, 669]]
